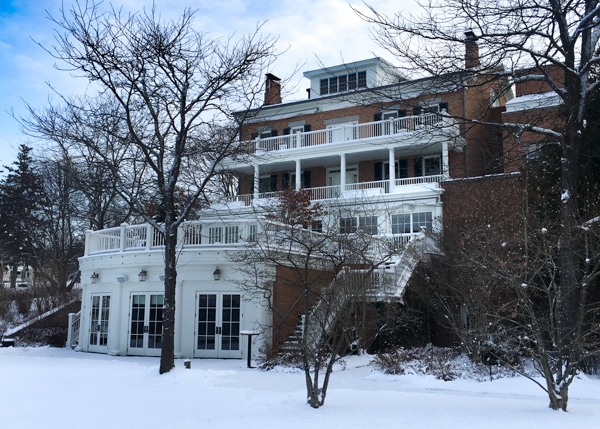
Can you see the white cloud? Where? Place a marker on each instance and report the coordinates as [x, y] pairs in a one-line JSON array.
[[309, 33]]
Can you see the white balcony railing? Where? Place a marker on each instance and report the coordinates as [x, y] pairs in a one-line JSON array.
[[128, 238], [191, 235], [369, 130], [331, 192]]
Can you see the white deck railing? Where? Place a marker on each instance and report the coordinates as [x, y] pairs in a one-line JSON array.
[[370, 130], [127, 238], [213, 233], [335, 191]]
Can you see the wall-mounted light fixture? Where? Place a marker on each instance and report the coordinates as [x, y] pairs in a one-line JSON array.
[[142, 275], [95, 277], [161, 277], [122, 279], [217, 274]]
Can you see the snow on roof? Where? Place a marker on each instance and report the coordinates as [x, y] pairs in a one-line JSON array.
[[533, 101]]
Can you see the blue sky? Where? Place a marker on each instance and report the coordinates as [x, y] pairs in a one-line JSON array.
[[308, 30]]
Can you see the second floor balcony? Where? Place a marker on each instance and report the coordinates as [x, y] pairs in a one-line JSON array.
[[350, 190]]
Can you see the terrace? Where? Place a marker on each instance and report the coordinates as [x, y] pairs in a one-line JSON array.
[[199, 234]]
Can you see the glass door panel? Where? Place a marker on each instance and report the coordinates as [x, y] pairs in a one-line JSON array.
[[146, 324], [218, 325], [100, 312]]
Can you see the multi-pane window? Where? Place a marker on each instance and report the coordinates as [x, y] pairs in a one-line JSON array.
[[432, 166], [231, 234], [422, 220], [401, 224], [343, 83], [362, 79], [215, 235], [348, 225], [368, 224], [252, 232], [407, 223]]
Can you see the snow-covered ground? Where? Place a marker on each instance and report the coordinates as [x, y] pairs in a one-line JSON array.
[[59, 388]]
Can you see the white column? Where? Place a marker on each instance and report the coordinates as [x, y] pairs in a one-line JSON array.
[[392, 168], [116, 336], [178, 319], [256, 181], [445, 166], [342, 172], [298, 175]]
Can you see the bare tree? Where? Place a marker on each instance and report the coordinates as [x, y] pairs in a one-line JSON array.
[[317, 280], [547, 41], [169, 88]]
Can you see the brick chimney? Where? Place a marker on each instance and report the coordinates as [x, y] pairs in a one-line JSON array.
[[471, 50], [272, 90]]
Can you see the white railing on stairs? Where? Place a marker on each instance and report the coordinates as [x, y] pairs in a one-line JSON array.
[[73, 329]]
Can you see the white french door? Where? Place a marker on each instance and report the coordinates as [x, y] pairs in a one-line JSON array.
[[145, 324], [218, 321], [99, 318]]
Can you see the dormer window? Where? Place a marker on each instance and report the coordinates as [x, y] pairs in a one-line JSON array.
[[345, 82]]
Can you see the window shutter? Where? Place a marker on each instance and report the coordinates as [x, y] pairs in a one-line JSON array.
[[378, 171], [416, 110], [444, 106], [418, 164], [306, 128], [254, 136], [273, 133], [286, 131], [377, 117], [273, 183], [401, 113], [286, 181], [306, 179]]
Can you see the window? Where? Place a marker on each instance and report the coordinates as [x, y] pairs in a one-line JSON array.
[[362, 79], [215, 235], [267, 184], [368, 224], [231, 234], [324, 86], [432, 166], [343, 83], [352, 81], [401, 224], [333, 85], [421, 220], [407, 223], [252, 232], [348, 225]]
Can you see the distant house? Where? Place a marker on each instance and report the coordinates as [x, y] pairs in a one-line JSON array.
[[24, 275], [366, 141]]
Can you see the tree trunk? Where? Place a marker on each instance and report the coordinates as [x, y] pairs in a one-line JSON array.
[[167, 355]]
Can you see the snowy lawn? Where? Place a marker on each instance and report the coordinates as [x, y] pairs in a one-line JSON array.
[[59, 388]]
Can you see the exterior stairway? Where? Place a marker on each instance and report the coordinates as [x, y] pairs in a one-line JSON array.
[[388, 282]]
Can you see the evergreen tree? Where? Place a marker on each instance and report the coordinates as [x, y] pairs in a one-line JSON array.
[[20, 202]]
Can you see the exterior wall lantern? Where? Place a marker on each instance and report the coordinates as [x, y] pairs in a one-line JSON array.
[[217, 274], [95, 277], [142, 275]]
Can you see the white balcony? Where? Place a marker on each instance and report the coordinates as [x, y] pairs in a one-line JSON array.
[[193, 235], [361, 189], [385, 130]]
